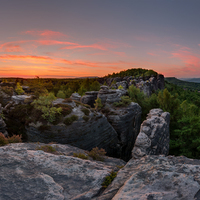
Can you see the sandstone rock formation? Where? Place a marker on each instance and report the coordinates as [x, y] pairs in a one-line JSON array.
[[88, 129], [156, 177], [153, 138], [89, 98], [26, 173], [75, 96], [22, 99], [110, 96], [126, 122]]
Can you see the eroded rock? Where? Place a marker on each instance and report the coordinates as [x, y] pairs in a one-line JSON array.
[[153, 138]]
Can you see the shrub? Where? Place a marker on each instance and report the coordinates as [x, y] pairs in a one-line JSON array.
[[120, 87], [19, 89], [125, 101], [70, 120], [108, 179], [61, 94], [3, 140], [97, 154], [86, 118], [13, 139], [98, 105], [66, 109], [47, 148], [80, 155], [85, 111], [8, 90], [44, 104]]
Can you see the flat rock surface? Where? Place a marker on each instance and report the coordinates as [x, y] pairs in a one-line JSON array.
[[26, 173], [155, 178]]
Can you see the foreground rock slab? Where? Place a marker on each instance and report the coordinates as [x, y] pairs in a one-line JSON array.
[[156, 177], [34, 174]]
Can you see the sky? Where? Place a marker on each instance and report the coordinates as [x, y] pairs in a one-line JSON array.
[[81, 38]]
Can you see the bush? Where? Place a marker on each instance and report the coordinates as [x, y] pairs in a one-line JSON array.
[[120, 87], [108, 179], [85, 111], [98, 105], [125, 101], [66, 109], [44, 104], [47, 148], [97, 154], [13, 139], [80, 155], [70, 120], [61, 94], [86, 118], [19, 89]]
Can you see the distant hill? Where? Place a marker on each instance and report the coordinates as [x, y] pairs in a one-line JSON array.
[[184, 84], [195, 80]]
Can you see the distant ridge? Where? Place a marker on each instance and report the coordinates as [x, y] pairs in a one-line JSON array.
[[184, 84], [194, 80]]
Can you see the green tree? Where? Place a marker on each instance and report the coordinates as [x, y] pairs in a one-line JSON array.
[[98, 105], [61, 94], [19, 89], [45, 105]]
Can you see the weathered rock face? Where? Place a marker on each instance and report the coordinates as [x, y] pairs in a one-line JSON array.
[[124, 84], [153, 138], [110, 96], [86, 131], [22, 99], [156, 177], [75, 96], [89, 98], [2, 123], [34, 174], [126, 122], [4, 98]]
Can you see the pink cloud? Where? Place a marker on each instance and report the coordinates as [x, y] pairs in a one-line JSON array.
[[152, 54], [45, 33], [10, 47]]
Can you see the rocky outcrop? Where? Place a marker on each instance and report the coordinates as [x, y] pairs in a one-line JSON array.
[[89, 98], [83, 128], [153, 138], [75, 96], [22, 99], [126, 122], [4, 98], [123, 84], [27, 173], [110, 96], [156, 177]]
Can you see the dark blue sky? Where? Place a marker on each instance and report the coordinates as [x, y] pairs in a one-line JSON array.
[[107, 35]]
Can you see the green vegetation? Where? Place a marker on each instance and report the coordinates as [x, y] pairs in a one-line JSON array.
[[184, 84], [19, 89], [85, 111], [8, 90], [139, 72], [125, 101], [69, 120], [47, 148], [80, 155], [97, 154], [98, 105], [13, 139], [86, 118], [61, 94], [44, 104], [108, 179], [120, 87]]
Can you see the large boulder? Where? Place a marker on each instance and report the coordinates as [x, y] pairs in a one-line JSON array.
[[89, 98], [153, 138], [82, 127], [126, 122], [75, 96], [110, 96], [22, 99], [156, 177], [28, 173]]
